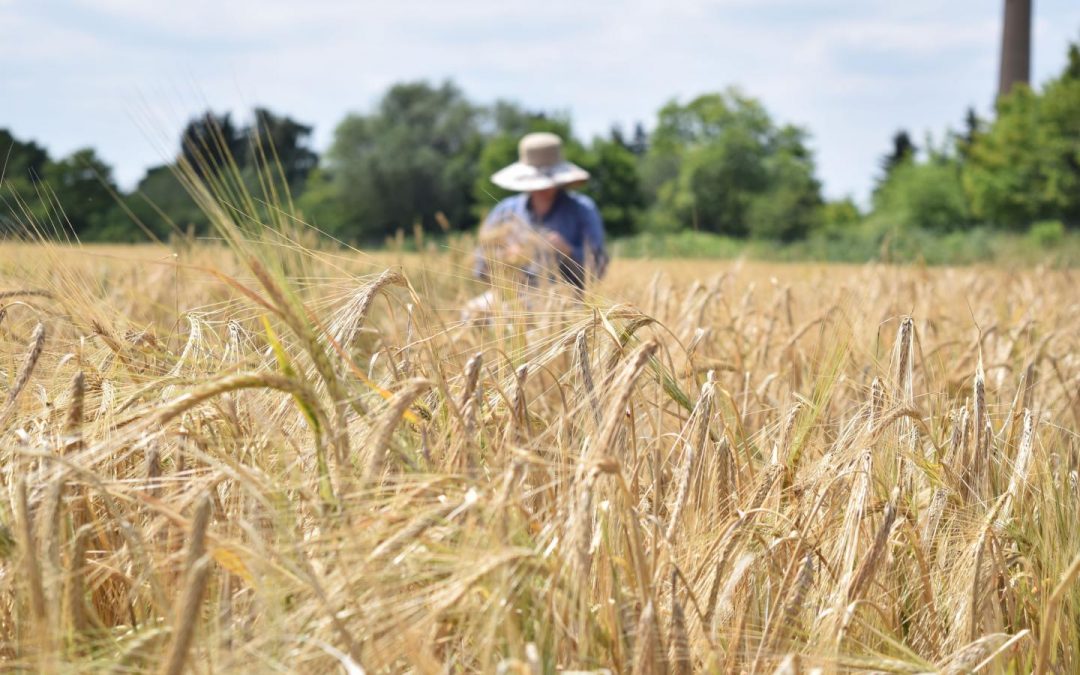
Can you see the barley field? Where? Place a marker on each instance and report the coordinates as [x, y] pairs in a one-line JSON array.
[[268, 455]]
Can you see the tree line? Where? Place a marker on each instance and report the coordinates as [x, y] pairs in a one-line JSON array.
[[719, 163], [1021, 167]]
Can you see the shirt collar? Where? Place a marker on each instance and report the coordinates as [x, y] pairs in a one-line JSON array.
[[560, 197]]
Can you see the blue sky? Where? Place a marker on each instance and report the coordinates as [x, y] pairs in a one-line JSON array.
[[123, 75]]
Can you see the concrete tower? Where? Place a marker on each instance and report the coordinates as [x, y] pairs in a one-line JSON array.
[[1015, 45]]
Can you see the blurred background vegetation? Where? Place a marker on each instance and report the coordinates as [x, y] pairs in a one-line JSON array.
[[714, 176]]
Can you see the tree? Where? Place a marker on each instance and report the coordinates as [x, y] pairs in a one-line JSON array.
[[320, 204], [838, 217], [22, 165], [412, 158], [617, 136], [78, 194], [21, 159], [790, 206], [924, 195], [265, 158], [614, 185], [85, 190], [1072, 68], [284, 142], [640, 144], [1025, 167], [720, 164], [973, 126], [210, 144], [73, 195], [903, 152], [163, 206]]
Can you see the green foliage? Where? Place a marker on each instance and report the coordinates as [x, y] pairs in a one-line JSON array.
[[790, 207], [719, 164], [271, 157], [76, 195], [1047, 234], [684, 244], [162, 205], [866, 241], [319, 204], [412, 158], [924, 195], [1026, 165], [283, 143], [71, 196], [839, 216], [210, 144], [903, 152], [21, 159], [615, 185], [86, 192], [22, 164]]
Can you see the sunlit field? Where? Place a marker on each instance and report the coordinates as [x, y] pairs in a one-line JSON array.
[[268, 455]]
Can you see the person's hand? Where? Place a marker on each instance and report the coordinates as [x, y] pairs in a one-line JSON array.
[[513, 254], [558, 243]]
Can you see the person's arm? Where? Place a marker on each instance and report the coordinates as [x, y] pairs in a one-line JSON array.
[[480, 264], [594, 238]]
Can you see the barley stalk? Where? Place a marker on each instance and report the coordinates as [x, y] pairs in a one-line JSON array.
[[978, 466], [1048, 626]]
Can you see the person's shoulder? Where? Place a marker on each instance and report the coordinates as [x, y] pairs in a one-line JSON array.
[[581, 200], [511, 203], [508, 207]]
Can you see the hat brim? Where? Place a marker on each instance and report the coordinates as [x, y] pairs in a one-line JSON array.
[[520, 177]]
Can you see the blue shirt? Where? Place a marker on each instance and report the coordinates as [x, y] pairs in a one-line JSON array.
[[573, 216]]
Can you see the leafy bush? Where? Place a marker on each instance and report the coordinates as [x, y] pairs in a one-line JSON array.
[[925, 195], [875, 239], [1047, 234]]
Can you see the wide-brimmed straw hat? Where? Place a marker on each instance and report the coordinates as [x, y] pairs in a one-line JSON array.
[[540, 166]]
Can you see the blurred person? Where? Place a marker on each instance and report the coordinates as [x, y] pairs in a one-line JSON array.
[[546, 228]]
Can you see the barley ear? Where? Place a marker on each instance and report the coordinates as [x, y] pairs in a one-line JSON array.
[[187, 617], [648, 652], [681, 659], [383, 431], [581, 352], [37, 344]]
